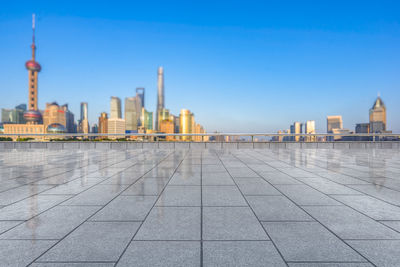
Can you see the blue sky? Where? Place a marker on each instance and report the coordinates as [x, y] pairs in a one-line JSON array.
[[240, 66]]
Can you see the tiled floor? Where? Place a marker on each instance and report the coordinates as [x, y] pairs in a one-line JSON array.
[[200, 208]]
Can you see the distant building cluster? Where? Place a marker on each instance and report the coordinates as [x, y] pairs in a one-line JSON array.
[[376, 124], [55, 119], [297, 128], [334, 126], [139, 120]]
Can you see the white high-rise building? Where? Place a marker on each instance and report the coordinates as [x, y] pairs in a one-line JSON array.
[[116, 126], [310, 129], [133, 108], [115, 104], [160, 96]]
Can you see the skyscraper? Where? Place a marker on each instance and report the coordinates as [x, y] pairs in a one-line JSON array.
[[140, 95], [133, 109], [116, 126], [296, 128], [32, 115], [377, 116], [362, 128], [15, 115], [84, 122], [160, 96], [54, 114], [310, 129], [69, 119], [103, 123], [186, 123], [84, 111], [167, 126], [146, 119], [115, 112]]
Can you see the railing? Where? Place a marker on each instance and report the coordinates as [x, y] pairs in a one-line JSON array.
[[207, 137]]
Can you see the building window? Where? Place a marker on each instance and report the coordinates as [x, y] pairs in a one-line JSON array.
[[32, 99], [31, 105], [32, 93]]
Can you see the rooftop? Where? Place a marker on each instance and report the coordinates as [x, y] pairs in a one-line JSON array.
[[255, 207]]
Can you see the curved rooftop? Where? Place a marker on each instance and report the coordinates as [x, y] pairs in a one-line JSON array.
[[378, 103]]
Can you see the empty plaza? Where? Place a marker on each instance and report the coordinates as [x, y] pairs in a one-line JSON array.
[[200, 207]]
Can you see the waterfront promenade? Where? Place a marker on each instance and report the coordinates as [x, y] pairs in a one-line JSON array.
[[200, 207]]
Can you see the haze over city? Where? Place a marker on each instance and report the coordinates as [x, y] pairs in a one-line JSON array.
[[239, 67]]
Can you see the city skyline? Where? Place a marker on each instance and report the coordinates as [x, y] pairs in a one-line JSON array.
[[244, 108]]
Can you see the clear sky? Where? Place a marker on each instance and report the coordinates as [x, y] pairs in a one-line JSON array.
[[240, 66]]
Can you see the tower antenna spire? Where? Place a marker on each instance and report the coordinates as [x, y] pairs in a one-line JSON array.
[[33, 37]]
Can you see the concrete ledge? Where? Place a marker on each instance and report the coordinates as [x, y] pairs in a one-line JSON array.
[[197, 145]]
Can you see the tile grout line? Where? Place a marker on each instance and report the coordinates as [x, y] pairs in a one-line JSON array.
[[342, 203], [60, 203], [316, 221], [154, 205], [262, 227], [87, 219]]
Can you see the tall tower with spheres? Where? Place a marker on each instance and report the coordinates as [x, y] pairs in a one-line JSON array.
[[32, 115]]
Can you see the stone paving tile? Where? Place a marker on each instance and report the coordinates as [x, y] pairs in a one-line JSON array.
[[328, 187], [161, 253], [96, 195], [260, 167], [222, 196], [276, 208], [309, 241], [30, 207], [218, 178], [255, 186], [126, 208], [187, 195], [22, 252], [296, 172], [350, 224], [382, 193], [277, 178], [213, 168], [123, 178], [341, 178], [171, 223], [93, 241], [146, 187], [392, 224], [72, 264], [52, 224], [231, 223], [242, 172], [241, 253], [351, 193], [305, 195], [375, 208], [17, 194], [185, 178], [73, 187], [379, 252], [6, 225], [330, 264]]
